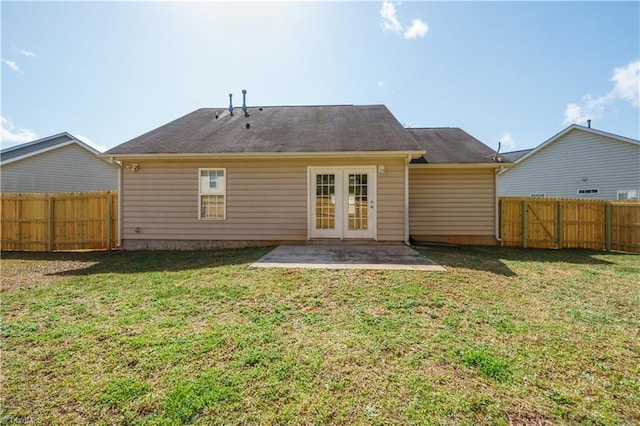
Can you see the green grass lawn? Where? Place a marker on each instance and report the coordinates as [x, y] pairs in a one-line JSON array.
[[506, 336]]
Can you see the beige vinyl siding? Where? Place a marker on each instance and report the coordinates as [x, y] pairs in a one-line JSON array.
[[70, 168], [457, 201], [391, 202], [577, 160], [266, 200]]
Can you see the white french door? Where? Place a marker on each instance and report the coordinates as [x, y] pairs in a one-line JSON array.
[[342, 202]]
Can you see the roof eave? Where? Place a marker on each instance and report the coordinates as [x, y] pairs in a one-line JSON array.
[[262, 155], [462, 165], [567, 130], [71, 141], [40, 151]]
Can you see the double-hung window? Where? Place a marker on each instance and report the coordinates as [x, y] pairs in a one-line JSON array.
[[212, 193]]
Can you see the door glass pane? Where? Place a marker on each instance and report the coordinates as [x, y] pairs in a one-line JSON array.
[[325, 201], [358, 202]]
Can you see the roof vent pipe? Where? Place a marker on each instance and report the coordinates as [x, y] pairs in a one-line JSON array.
[[230, 104], [244, 102], [589, 123], [495, 156]]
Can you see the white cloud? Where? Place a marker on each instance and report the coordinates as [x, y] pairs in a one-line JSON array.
[[507, 143], [11, 64], [91, 143], [389, 18], [9, 133], [573, 114], [627, 83], [390, 22], [380, 84], [626, 86], [27, 53], [417, 29], [591, 109]]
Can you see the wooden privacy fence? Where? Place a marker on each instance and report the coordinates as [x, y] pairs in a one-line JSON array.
[[64, 221], [570, 223]]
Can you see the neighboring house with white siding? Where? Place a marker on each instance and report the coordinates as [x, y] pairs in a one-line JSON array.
[[58, 163], [578, 162], [222, 178]]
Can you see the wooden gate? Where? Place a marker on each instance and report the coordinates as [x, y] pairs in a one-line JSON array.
[[570, 223]]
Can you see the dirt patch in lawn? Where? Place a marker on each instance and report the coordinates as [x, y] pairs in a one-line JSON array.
[[31, 270]]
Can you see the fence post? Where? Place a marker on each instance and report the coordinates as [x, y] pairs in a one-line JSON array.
[[559, 223], [18, 234], [524, 224], [109, 230], [607, 225], [50, 226]]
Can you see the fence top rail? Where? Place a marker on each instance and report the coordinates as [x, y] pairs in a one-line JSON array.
[[572, 200], [625, 203], [56, 195]]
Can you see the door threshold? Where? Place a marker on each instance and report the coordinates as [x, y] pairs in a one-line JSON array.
[[345, 241]]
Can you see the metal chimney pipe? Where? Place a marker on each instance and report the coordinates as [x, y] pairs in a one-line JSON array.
[[230, 104], [589, 123], [244, 102]]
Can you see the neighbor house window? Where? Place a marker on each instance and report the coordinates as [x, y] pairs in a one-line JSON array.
[[212, 193], [588, 191], [627, 194]]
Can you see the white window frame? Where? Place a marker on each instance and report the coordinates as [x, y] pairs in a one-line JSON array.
[[627, 191], [208, 191], [591, 191]]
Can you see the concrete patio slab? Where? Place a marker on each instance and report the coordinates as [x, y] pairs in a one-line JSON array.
[[347, 256]]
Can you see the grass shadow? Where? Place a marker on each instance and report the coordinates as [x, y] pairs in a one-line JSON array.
[[488, 259], [492, 259], [127, 262]]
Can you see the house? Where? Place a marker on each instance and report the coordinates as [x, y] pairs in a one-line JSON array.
[[452, 188], [58, 163], [262, 175], [578, 162]]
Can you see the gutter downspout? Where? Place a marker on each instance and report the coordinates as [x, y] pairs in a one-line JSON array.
[[407, 161], [120, 205], [496, 213]]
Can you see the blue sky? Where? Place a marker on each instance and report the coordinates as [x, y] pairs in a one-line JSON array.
[[516, 72]]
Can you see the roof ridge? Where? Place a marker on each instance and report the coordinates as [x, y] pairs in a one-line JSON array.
[[291, 106], [432, 128]]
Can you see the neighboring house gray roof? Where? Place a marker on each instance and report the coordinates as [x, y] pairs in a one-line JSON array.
[[516, 155], [25, 150], [450, 145], [566, 130], [276, 129]]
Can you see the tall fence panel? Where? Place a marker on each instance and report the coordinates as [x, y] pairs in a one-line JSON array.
[[625, 226], [63, 221], [570, 223]]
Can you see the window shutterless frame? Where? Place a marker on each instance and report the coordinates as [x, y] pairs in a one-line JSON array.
[[627, 194], [589, 191], [212, 194]]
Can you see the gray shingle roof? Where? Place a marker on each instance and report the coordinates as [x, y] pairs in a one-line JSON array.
[[36, 146], [516, 155], [278, 129], [450, 145]]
